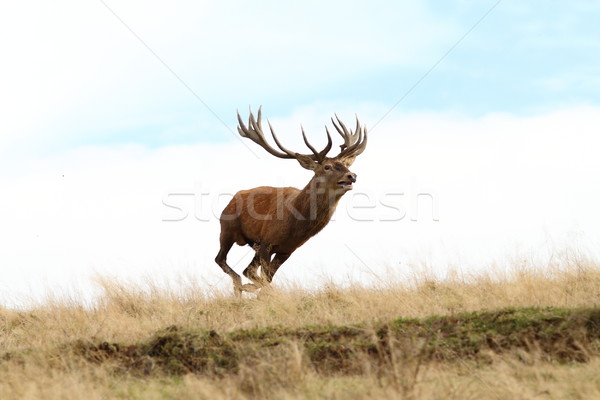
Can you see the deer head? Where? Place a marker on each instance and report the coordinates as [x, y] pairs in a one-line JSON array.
[[331, 173]]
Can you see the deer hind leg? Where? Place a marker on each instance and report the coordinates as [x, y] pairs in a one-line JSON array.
[[221, 260]]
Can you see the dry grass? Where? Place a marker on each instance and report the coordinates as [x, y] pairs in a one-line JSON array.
[[39, 357]]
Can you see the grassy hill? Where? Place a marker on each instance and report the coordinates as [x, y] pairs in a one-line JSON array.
[[533, 333]]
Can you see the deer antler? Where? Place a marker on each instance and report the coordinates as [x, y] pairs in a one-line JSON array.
[[255, 133], [354, 142]]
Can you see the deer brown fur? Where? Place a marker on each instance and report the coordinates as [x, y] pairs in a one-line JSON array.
[[276, 221]]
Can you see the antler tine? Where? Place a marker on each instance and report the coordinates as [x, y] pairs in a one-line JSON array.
[[318, 155], [359, 136], [354, 142], [241, 127], [346, 131], [324, 152], [257, 127], [348, 136], [259, 117], [288, 152], [339, 130], [315, 152], [338, 127], [363, 144], [244, 131]]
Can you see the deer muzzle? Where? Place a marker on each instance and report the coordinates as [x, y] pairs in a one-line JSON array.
[[347, 183]]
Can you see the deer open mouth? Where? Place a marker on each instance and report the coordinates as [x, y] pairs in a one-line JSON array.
[[345, 185]]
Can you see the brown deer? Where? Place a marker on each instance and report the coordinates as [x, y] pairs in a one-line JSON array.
[[276, 221]]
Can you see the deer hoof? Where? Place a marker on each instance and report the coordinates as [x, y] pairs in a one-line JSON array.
[[237, 290], [265, 292], [250, 287]]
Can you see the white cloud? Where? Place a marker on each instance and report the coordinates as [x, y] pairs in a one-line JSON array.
[[497, 182]]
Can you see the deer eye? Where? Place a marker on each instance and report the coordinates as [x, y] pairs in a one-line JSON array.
[[327, 167]]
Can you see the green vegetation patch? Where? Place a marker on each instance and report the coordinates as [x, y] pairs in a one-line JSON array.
[[558, 334], [564, 335]]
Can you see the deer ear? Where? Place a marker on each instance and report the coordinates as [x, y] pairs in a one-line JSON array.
[[347, 161], [306, 162]]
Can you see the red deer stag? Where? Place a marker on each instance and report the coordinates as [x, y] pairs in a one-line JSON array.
[[276, 221]]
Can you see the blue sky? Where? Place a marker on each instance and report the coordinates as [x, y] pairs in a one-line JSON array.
[[85, 79], [103, 122]]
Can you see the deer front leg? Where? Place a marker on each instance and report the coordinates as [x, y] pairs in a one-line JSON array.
[[269, 272], [274, 265], [250, 273], [252, 268], [261, 259]]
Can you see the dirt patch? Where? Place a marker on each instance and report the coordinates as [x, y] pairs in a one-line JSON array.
[[562, 335]]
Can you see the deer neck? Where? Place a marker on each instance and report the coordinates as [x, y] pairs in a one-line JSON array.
[[315, 205]]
